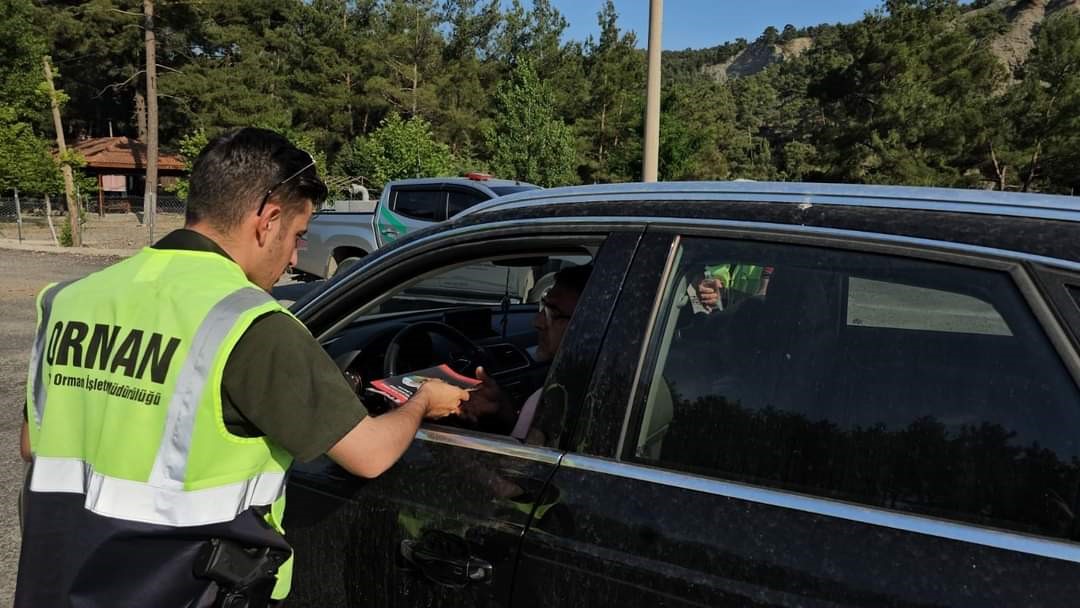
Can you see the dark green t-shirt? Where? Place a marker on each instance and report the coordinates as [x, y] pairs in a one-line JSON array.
[[278, 381]]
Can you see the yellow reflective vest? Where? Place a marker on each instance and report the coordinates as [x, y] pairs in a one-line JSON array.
[[124, 395]]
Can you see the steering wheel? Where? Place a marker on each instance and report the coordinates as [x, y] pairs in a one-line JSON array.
[[473, 355]]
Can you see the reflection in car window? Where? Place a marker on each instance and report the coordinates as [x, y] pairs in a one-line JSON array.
[[884, 304], [482, 283], [894, 382], [460, 201]]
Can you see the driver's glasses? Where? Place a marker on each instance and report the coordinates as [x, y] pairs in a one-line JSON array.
[[551, 313]]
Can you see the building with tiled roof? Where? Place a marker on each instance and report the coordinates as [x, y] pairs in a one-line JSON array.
[[119, 163]]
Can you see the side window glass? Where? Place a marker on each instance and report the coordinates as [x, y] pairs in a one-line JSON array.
[[893, 382], [460, 201], [894, 305], [426, 205]]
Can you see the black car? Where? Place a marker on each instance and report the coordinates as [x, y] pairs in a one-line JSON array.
[[881, 409]]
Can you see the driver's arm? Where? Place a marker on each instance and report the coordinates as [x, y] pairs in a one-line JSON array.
[[375, 444]]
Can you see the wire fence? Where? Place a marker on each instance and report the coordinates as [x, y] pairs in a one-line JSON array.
[[30, 207], [116, 220]]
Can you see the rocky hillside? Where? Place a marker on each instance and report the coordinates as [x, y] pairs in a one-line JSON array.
[[1012, 46]]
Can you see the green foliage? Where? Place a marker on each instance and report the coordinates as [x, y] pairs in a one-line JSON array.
[[909, 94], [190, 146], [397, 149], [25, 161], [527, 141], [611, 126]]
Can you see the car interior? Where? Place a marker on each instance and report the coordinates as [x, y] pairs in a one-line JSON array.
[[477, 312]]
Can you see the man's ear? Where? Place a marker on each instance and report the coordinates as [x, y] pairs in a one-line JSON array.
[[267, 222]]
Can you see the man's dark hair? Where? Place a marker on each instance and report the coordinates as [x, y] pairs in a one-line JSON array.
[[236, 170], [574, 278]]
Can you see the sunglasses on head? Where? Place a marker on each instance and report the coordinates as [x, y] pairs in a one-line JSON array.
[[266, 196]]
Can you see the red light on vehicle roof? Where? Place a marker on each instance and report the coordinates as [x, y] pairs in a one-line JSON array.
[[477, 176]]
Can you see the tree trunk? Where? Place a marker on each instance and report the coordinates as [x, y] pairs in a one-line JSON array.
[[1033, 170], [999, 170], [69, 180], [603, 126], [348, 105], [415, 85], [140, 115], [150, 193]]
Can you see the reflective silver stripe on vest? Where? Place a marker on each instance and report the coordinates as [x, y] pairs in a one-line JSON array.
[[37, 355], [170, 464], [147, 503]]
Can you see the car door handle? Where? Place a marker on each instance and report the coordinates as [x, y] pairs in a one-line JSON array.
[[444, 559], [389, 232]]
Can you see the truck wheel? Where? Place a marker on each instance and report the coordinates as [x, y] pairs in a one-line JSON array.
[[345, 264]]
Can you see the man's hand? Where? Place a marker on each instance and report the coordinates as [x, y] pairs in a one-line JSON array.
[[709, 293], [490, 408], [376, 442], [486, 399], [440, 399]]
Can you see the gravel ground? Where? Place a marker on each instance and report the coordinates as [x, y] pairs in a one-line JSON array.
[[22, 275]]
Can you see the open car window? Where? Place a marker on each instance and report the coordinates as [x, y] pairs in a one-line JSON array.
[[490, 283]]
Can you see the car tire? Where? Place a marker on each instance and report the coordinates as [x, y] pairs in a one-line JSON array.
[[345, 264]]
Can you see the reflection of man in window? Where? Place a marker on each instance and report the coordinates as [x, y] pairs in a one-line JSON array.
[[725, 285], [490, 408]]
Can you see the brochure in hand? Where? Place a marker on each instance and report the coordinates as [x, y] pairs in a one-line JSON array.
[[400, 389]]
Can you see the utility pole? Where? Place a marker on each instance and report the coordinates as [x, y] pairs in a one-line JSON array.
[[69, 180], [652, 97], [150, 194]]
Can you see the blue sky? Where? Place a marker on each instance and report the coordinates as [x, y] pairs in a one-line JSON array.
[[705, 23]]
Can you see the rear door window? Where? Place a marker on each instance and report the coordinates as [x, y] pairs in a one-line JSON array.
[[460, 200], [893, 382], [420, 204]]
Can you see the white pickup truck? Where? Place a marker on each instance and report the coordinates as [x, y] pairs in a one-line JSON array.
[[341, 234]]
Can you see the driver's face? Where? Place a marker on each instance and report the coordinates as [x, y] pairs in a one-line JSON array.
[[552, 320]]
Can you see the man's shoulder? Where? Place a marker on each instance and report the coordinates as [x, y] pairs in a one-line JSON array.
[[276, 327]]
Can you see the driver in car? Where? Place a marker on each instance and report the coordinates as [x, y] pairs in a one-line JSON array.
[[490, 408]]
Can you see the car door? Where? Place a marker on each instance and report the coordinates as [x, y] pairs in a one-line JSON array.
[[442, 527], [863, 428]]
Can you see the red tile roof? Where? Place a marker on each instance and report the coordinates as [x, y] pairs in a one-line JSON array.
[[122, 153]]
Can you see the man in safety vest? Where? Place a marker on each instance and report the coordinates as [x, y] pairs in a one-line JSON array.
[[169, 393]]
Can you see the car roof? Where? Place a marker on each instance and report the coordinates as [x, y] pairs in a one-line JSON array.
[[954, 200], [465, 181]]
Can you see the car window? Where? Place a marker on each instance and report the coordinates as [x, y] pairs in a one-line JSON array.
[[459, 201], [481, 283], [894, 382], [883, 304], [427, 205]]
